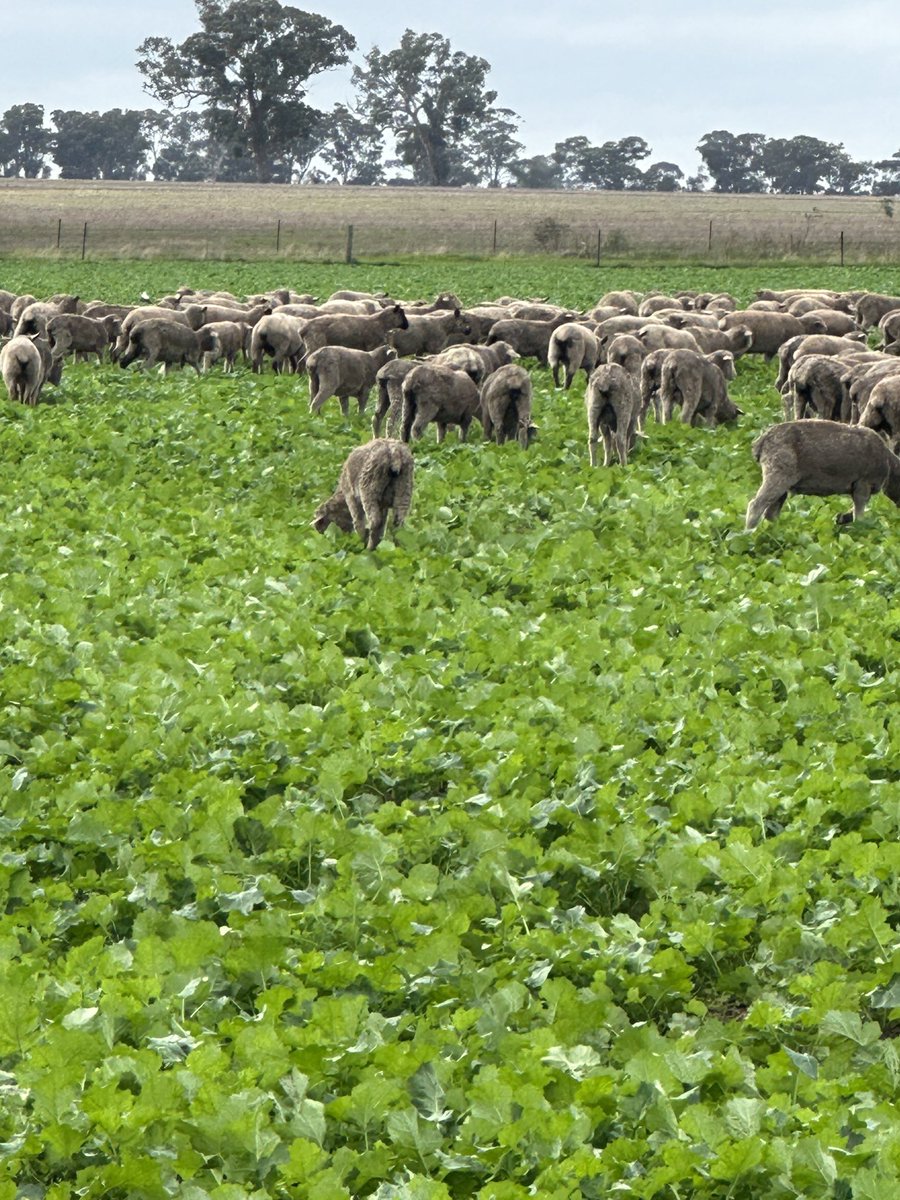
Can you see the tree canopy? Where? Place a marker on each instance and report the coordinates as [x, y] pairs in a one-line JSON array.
[[250, 65], [434, 100]]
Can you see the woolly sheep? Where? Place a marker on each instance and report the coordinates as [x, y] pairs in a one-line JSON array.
[[573, 348], [205, 314], [389, 381], [817, 386], [22, 369], [506, 398], [222, 341], [862, 379], [279, 337], [343, 372], [700, 384], [356, 332], [529, 339], [81, 335], [816, 343], [160, 340], [612, 403], [430, 334], [769, 329], [882, 410], [375, 480], [438, 393], [821, 458], [651, 378], [872, 306]]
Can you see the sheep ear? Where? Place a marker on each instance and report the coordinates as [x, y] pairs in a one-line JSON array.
[[739, 411]]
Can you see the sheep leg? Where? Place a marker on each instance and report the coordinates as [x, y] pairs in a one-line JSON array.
[[358, 515], [860, 493], [377, 522], [344, 402], [607, 434], [556, 367], [689, 406]]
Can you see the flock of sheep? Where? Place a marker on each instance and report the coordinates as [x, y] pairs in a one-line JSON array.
[[446, 365]]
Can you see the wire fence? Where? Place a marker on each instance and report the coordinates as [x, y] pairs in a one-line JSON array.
[[648, 232]]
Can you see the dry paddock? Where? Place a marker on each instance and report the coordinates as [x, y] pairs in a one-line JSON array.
[[75, 218]]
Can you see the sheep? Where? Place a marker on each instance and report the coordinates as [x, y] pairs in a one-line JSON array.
[[889, 327], [463, 358], [821, 458], [280, 338], [438, 393], [629, 352], [222, 340], [82, 335], [882, 410], [655, 303], [625, 302], [572, 348], [343, 372], [770, 330], [872, 306], [612, 403], [817, 384], [375, 480], [817, 343], [530, 339], [34, 317], [22, 369], [430, 334], [736, 340], [699, 384], [863, 377], [651, 377], [389, 381], [355, 332], [145, 312], [206, 314], [839, 324], [161, 340], [506, 405]]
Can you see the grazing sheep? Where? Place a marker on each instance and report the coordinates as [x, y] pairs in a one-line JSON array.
[[389, 380], [651, 378], [280, 338], [573, 348], [356, 332], [375, 480], [438, 393], [205, 314], [769, 329], [22, 368], [463, 358], [863, 376], [612, 403], [882, 410], [34, 317], [815, 343], [700, 384], [506, 405], [343, 372], [659, 336], [430, 334], [81, 335], [736, 340], [625, 302], [872, 306], [817, 385], [821, 458], [161, 340], [629, 352], [222, 341], [529, 339]]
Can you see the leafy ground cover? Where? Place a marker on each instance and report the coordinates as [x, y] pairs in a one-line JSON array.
[[552, 851]]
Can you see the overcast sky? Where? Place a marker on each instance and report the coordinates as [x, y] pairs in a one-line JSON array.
[[666, 72]]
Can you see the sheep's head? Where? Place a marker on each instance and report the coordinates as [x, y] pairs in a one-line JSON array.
[[333, 511]]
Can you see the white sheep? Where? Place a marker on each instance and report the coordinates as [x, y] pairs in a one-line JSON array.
[[612, 402], [375, 480], [343, 372]]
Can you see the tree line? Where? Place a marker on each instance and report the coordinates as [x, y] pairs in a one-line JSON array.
[[236, 110]]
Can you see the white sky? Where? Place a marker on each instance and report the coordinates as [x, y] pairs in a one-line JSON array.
[[667, 72]]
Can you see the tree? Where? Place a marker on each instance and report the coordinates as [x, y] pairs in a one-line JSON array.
[[112, 145], [24, 142], [612, 165], [799, 165], [494, 147], [887, 182], [353, 148], [733, 161], [663, 177], [435, 102], [540, 171], [250, 65]]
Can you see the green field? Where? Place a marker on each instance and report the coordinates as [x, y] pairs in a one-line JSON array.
[[551, 851]]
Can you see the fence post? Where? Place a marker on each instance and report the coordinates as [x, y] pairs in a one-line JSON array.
[[494, 242], [58, 232], [348, 257], [709, 236], [278, 236], [83, 240], [842, 247], [599, 243]]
